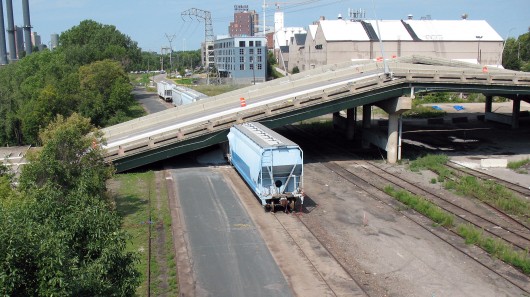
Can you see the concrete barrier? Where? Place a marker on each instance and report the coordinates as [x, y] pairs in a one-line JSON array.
[[491, 163]]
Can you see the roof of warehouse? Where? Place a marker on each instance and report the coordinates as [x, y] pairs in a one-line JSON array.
[[457, 30], [263, 136], [390, 30], [338, 30], [300, 38], [313, 30], [450, 30]]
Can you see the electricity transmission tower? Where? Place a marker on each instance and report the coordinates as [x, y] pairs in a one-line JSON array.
[[170, 39], [209, 54]]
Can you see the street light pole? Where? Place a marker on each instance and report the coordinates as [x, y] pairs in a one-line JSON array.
[[479, 37]]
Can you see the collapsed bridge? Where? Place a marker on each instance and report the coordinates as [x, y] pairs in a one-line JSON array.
[[320, 91]]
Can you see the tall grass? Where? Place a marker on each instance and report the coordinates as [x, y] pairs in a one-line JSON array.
[[490, 192], [214, 90], [516, 165], [133, 191], [434, 163], [471, 235], [422, 206], [495, 247]]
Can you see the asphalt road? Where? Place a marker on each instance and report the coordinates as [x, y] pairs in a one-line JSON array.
[[149, 101], [228, 256]]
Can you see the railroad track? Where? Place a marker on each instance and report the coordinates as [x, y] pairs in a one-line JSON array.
[[499, 225], [328, 279], [518, 189], [511, 231], [516, 233], [361, 183]]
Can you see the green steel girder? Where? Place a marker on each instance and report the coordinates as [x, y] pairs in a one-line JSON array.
[[168, 151], [164, 152]]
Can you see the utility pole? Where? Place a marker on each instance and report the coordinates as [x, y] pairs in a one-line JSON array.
[[264, 16], [170, 39]]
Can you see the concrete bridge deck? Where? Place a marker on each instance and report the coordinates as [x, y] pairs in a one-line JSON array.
[[298, 97]]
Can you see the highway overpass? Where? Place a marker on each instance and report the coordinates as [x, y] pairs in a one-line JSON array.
[[306, 95]]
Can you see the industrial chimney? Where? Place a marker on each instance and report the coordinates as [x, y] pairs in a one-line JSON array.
[[3, 51], [27, 26], [11, 30]]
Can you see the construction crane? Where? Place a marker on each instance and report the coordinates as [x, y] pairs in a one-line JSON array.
[[206, 16]]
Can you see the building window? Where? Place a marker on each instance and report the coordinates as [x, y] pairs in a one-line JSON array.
[[251, 43], [252, 66], [241, 66], [258, 43], [259, 58], [242, 43], [259, 51], [241, 51], [250, 51], [259, 66]]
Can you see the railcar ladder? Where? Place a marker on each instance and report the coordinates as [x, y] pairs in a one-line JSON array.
[[267, 161]]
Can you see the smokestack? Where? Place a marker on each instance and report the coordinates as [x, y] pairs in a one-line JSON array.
[[3, 51], [11, 30], [27, 26]]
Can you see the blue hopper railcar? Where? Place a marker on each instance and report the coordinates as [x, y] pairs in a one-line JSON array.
[[271, 164]]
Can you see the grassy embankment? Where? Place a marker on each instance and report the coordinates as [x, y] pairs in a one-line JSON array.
[[518, 166], [132, 194], [486, 191], [214, 90]]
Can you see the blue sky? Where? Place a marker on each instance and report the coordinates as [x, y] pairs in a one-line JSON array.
[[148, 21]]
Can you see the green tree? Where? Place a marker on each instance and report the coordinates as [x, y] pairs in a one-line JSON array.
[[105, 89], [295, 70], [5, 183], [516, 54], [91, 41], [62, 237]]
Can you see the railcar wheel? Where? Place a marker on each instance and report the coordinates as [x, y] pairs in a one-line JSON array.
[[292, 205]]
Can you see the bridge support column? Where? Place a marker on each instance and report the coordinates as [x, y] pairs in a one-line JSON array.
[[337, 120], [351, 117], [367, 116], [516, 109], [489, 101], [393, 138], [390, 142], [367, 123]]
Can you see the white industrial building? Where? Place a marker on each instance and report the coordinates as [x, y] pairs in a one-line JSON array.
[[241, 60], [334, 41]]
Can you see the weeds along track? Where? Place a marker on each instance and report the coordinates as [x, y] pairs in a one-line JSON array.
[[369, 174], [362, 180], [493, 222], [461, 170]]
